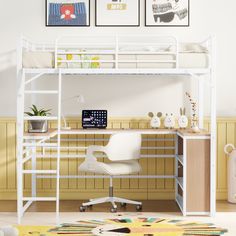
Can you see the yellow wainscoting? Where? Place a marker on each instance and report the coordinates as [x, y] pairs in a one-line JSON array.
[[87, 188]]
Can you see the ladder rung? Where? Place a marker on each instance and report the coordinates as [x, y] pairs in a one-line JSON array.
[[42, 199], [40, 118], [39, 171], [41, 92]]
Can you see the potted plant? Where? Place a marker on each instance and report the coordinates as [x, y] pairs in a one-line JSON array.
[[38, 126]]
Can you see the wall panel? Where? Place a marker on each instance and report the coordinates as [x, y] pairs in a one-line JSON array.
[[86, 188]]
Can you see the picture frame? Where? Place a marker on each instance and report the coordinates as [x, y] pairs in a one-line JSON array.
[[67, 13], [115, 13], [172, 13]]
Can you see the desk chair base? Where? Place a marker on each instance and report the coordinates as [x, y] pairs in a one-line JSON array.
[[113, 200]]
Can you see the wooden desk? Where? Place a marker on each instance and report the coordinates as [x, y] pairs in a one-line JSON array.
[[192, 163]]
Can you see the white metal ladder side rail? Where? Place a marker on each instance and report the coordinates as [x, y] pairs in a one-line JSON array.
[[58, 147], [29, 153]]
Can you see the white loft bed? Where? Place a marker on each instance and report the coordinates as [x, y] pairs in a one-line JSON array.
[[152, 52], [123, 55]]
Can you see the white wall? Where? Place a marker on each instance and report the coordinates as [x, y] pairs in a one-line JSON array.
[[130, 96]]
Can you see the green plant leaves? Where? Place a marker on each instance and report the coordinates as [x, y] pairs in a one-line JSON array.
[[37, 112]]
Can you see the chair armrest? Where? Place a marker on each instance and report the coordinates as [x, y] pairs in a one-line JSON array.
[[91, 149]]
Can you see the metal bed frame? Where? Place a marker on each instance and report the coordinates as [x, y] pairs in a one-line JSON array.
[[26, 145]]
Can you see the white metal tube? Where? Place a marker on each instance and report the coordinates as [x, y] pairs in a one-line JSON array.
[[176, 165], [24, 160], [26, 206], [20, 134], [58, 147], [84, 148], [68, 156], [213, 128], [33, 177], [34, 78], [185, 177], [107, 177], [102, 139]]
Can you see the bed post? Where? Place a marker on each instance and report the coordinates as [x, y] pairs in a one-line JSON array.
[[213, 126], [20, 128]]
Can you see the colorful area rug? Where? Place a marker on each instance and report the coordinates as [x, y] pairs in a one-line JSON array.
[[125, 227]]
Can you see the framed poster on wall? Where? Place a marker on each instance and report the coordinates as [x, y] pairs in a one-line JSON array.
[[68, 13], [167, 13], [118, 13]]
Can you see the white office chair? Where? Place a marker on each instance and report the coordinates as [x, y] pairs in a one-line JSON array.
[[123, 150]]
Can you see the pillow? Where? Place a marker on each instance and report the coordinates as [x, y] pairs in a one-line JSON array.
[[192, 48], [38, 60]]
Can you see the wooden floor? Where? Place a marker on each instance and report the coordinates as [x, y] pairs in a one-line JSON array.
[[73, 206]]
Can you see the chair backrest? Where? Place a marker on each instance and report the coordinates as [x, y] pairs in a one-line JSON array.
[[124, 146]]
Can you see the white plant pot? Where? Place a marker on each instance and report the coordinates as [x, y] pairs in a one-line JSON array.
[[38, 126]]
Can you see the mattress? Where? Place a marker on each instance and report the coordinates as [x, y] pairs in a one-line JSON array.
[[47, 60]]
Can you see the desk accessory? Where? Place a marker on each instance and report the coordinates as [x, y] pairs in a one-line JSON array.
[[183, 119], [94, 119], [79, 99], [169, 121], [155, 119], [37, 125], [194, 118]]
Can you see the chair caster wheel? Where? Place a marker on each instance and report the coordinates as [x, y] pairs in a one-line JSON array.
[[82, 209], [113, 210], [139, 207], [123, 204]]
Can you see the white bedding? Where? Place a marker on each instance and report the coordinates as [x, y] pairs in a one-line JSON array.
[[186, 60]]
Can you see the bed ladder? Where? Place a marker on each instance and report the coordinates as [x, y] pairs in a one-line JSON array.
[[27, 149]]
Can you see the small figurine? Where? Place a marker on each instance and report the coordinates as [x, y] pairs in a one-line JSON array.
[[169, 121], [155, 119], [183, 119]]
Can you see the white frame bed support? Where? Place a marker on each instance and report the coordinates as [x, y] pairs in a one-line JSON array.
[[26, 149]]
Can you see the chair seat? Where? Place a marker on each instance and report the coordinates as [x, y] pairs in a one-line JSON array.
[[114, 168]]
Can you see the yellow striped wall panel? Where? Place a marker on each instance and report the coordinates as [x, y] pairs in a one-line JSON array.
[[87, 188]]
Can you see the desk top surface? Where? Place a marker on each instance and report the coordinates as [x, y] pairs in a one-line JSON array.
[[181, 132]]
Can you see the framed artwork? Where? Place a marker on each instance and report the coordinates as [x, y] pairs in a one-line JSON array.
[[167, 13], [68, 13], [118, 13]]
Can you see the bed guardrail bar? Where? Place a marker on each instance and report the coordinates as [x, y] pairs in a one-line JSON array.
[[115, 50]]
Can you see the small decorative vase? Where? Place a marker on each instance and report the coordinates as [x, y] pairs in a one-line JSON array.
[[194, 125]]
